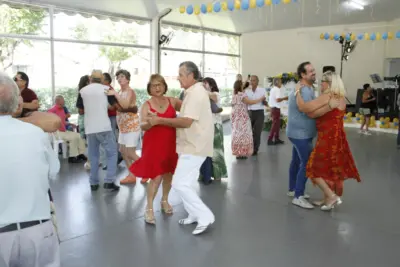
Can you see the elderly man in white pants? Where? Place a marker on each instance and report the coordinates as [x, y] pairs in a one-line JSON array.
[[195, 135], [27, 235]]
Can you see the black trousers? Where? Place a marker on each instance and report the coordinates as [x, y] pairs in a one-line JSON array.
[[257, 125]]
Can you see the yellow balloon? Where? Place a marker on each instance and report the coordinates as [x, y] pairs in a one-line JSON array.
[[343, 35], [196, 10], [182, 9], [353, 37], [268, 2], [253, 4], [237, 4], [286, 1], [322, 36], [224, 6], [209, 7], [366, 36], [331, 36], [378, 36], [390, 35]]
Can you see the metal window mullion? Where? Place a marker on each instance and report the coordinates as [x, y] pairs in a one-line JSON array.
[[52, 63], [198, 52], [203, 54]]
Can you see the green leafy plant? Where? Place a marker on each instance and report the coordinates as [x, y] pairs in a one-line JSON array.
[[17, 21]]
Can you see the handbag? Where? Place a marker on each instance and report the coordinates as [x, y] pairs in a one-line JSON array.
[[364, 111]]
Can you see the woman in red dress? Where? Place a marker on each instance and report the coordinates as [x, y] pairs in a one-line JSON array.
[[159, 157], [331, 161]]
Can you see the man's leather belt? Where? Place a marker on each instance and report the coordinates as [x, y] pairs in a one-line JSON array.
[[23, 225]]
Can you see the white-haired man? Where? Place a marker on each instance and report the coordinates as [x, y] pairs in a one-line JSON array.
[[25, 223], [195, 136]]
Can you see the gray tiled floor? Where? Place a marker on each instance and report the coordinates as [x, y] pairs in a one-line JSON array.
[[255, 223]]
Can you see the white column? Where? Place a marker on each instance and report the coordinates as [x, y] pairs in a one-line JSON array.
[[155, 57]]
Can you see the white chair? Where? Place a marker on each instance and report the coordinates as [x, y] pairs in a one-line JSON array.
[[56, 141]]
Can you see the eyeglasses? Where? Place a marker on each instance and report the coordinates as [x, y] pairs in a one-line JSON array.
[[155, 85], [17, 80]]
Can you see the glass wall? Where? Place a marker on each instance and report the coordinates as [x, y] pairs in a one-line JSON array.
[[216, 54], [81, 42]]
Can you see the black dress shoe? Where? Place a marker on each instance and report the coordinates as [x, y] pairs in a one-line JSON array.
[[279, 142], [75, 160], [111, 186], [94, 187], [120, 159], [271, 143], [255, 153], [105, 168], [82, 157]]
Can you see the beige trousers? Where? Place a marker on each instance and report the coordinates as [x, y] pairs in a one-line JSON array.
[[35, 246], [76, 143]]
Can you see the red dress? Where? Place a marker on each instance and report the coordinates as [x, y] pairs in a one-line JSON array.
[[158, 149], [331, 158]]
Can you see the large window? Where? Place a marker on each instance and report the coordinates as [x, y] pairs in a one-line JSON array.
[[81, 41], [170, 65], [218, 58]]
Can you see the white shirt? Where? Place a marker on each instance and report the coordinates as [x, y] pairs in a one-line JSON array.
[[258, 93], [273, 95], [96, 108], [27, 161]]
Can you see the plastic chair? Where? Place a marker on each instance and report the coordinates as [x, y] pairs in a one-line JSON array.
[[56, 142]]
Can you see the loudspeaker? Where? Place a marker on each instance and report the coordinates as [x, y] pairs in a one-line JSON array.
[[328, 68]]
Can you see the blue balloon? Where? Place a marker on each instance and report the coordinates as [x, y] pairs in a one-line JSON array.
[[326, 36], [348, 37], [336, 37], [398, 35], [276, 2], [189, 9], [203, 8], [260, 3], [231, 5], [385, 36], [360, 36], [217, 7], [373, 37], [245, 4]]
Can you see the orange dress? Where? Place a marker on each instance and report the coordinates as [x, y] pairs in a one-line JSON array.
[[331, 158]]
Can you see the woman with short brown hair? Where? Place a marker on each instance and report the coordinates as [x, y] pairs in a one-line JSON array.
[[159, 157]]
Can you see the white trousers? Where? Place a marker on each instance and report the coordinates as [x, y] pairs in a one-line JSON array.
[[186, 175], [76, 143], [35, 246]]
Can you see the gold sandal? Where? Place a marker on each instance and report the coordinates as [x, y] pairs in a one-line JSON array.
[[168, 210], [149, 218]]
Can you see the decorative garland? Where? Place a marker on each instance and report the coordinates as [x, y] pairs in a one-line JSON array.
[[230, 5], [360, 36], [286, 77]]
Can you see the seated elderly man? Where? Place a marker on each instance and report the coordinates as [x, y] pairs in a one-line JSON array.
[[25, 224], [77, 145]]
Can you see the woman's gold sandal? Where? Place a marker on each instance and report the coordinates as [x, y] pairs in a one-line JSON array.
[[149, 218], [168, 210]]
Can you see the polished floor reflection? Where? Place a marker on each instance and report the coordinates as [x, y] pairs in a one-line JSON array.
[[256, 225]]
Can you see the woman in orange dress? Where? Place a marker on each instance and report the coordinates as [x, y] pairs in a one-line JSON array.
[[159, 157], [331, 161]]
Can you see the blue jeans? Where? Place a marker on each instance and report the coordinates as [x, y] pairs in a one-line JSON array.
[[103, 156], [107, 141], [206, 170], [297, 173]]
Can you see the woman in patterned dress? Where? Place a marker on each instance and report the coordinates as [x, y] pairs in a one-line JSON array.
[[128, 124], [242, 135], [331, 161], [218, 160]]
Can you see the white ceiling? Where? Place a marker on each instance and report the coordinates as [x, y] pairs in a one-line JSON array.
[[305, 13]]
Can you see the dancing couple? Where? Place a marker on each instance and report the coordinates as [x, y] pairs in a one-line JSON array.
[[175, 156], [331, 161]]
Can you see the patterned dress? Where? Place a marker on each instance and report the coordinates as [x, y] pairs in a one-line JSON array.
[[219, 165], [242, 135], [127, 121], [331, 158]]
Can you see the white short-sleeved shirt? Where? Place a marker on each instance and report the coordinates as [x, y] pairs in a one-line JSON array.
[[253, 95], [273, 95]]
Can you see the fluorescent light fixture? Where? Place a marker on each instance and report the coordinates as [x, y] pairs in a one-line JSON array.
[[355, 4]]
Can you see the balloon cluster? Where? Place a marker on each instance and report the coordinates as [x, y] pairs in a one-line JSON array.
[[230, 5], [360, 36]]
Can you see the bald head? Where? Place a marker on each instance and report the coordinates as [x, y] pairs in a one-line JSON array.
[[9, 95]]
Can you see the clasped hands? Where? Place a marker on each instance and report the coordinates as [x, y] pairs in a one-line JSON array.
[[152, 119], [333, 101]]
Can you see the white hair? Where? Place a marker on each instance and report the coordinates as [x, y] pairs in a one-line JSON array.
[[9, 94], [336, 85]]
